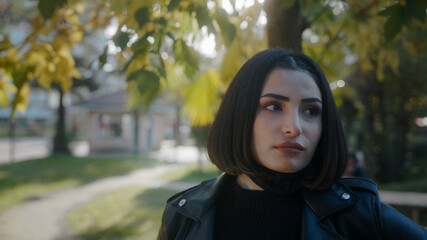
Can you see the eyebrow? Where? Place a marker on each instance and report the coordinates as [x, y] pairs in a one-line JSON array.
[[284, 98], [276, 96], [309, 100]]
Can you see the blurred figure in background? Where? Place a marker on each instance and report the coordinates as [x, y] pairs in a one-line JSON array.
[[355, 167]]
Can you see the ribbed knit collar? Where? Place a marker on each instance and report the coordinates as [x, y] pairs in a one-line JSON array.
[[285, 183], [258, 196]]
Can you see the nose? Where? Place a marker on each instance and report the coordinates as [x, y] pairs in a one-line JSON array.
[[291, 126]]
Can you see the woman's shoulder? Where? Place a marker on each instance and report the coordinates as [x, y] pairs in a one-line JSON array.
[[210, 185], [359, 184]]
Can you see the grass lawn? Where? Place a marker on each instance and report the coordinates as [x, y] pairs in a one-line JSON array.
[[192, 174], [25, 180], [130, 213]]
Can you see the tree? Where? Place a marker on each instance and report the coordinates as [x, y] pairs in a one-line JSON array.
[[387, 42], [363, 40], [45, 55]]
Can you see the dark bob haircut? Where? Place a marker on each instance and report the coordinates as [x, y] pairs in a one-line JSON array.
[[229, 142]]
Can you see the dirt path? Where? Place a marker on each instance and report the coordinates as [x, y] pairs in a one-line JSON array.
[[45, 218]]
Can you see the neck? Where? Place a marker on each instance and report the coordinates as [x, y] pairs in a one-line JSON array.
[[245, 182]]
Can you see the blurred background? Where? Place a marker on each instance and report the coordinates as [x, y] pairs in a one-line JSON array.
[[105, 104]]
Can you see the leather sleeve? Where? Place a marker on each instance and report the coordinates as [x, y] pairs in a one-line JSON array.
[[397, 226]]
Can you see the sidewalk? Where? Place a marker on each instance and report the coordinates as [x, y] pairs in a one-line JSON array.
[[46, 218], [35, 147]]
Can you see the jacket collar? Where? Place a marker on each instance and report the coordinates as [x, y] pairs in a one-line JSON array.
[[196, 202], [328, 201]]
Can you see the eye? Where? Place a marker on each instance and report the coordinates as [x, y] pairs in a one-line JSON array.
[[273, 107], [312, 111]]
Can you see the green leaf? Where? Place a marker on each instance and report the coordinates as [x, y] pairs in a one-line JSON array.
[[173, 4], [121, 40], [157, 63], [20, 75], [148, 84], [186, 56], [161, 21], [171, 35], [393, 25], [416, 9], [203, 18], [394, 9], [286, 4], [142, 16], [103, 58], [228, 30], [158, 36], [142, 44], [47, 7]]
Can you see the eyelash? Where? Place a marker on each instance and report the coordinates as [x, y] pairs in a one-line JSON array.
[[272, 104], [313, 110]]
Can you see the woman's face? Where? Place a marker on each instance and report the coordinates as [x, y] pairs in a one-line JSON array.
[[288, 123]]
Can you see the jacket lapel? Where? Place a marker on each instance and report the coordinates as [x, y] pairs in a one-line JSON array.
[[319, 205], [197, 204]]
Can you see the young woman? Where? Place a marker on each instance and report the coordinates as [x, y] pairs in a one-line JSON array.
[[278, 138]]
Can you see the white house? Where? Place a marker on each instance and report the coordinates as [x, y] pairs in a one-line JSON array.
[[110, 126]]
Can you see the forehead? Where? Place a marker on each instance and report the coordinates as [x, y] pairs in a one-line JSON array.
[[291, 82]]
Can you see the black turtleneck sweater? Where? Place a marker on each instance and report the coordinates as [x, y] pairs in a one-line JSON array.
[[247, 214]]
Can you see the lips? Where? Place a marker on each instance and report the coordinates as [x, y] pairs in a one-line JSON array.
[[290, 148]]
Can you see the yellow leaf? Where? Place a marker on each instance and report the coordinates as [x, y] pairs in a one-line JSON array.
[[80, 7], [33, 57], [137, 63], [72, 17], [231, 62], [134, 98], [76, 35], [37, 22], [382, 57], [74, 73], [48, 49], [366, 66], [12, 55], [45, 80], [393, 60], [66, 84], [202, 101], [22, 97], [51, 67], [4, 98]]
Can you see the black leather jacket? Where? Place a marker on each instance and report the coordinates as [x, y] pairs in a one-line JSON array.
[[350, 209]]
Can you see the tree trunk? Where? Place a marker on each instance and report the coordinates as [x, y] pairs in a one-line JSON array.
[[12, 140], [60, 143], [136, 136], [176, 132], [285, 25]]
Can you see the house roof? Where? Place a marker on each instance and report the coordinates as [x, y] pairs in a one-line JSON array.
[[118, 101], [111, 101]]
